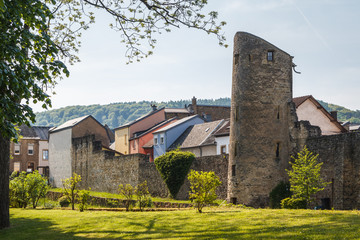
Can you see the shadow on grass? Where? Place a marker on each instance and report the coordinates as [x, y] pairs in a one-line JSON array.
[[330, 226]]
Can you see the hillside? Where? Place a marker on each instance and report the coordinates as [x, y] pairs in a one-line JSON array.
[[116, 114]]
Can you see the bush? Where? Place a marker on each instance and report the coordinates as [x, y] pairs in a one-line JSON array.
[[142, 195], [64, 201], [280, 192], [83, 197], [26, 188], [128, 194], [173, 167], [70, 188], [293, 203], [203, 186]]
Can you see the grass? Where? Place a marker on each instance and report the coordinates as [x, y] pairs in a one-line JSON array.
[[215, 223], [118, 196]]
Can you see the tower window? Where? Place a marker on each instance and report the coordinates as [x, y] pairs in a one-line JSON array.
[[270, 55], [233, 168], [278, 112], [236, 59], [277, 150]]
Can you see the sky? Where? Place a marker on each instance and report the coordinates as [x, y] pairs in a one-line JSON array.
[[322, 35]]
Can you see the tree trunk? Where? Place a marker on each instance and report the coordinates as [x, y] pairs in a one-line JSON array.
[[4, 182]]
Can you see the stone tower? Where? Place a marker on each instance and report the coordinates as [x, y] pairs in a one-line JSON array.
[[260, 119]]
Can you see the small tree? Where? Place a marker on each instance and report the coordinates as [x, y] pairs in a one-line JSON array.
[[128, 193], [202, 188], [142, 194], [173, 167], [70, 188], [305, 177], [36, 186], [83, 196]]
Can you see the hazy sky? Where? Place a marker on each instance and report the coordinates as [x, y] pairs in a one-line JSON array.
[[322, 35]]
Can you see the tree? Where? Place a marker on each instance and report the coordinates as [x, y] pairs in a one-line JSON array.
[[173, 167], [128, 193], [36, 34], [203, 188], [304, 177], [142, 194], [37, 187], [70, 188]]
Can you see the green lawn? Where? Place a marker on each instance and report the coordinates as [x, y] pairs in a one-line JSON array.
[[215, 223]]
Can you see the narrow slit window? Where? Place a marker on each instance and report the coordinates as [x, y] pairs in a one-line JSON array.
[[270, 56], [278, 112], [236, 59], [277, 150], [235, 149], [233, 169]]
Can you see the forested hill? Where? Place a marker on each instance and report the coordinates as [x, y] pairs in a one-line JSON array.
[[116, 114]]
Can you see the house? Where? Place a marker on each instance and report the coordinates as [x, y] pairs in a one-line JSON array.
[[209, 112], [199, 139], [166, 136], [143, 142], [307, 108], [32, 151], [60, 142], [127, 131], [222, 138]]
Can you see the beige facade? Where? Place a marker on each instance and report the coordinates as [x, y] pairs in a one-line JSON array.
[[310, 110], [122, 140]]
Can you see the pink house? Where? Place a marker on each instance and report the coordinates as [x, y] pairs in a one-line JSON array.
[[142, 142]]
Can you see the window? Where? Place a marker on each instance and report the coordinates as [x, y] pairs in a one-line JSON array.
[[125, 139], [155, 141], [17, 149], [30, 149], [30, 167], [45, 155], [233, 170], [278, 112], [134, 144], [223, 149], [236, 58], [162, 140], [16, 166], [270, 56], [277, 150], [235, 149]]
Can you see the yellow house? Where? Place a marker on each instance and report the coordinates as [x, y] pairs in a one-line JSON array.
[[138, 126]]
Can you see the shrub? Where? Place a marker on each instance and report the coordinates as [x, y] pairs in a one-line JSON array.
[[202, 188], [37, 187], [173, 167], [281, 191], [64, 201], [142, 195], [83, 197], [70, 188], [128, 194], [26, 188], [18, 194], [293, 203]]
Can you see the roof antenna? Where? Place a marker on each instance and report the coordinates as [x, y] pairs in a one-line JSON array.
[[294, 66]]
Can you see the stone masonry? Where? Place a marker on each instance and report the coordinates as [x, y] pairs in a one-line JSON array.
[[103, 171], [265, 132]]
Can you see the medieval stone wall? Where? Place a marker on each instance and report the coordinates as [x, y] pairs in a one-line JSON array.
[[103, 171], [340, 155]]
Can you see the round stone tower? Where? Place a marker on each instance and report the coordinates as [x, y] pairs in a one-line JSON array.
[[260, 119]]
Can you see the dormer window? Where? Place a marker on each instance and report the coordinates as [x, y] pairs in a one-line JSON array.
[[270, 56]]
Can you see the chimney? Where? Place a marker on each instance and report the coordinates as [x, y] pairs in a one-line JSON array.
[[193, 101], [154, 107], [334, 114]]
